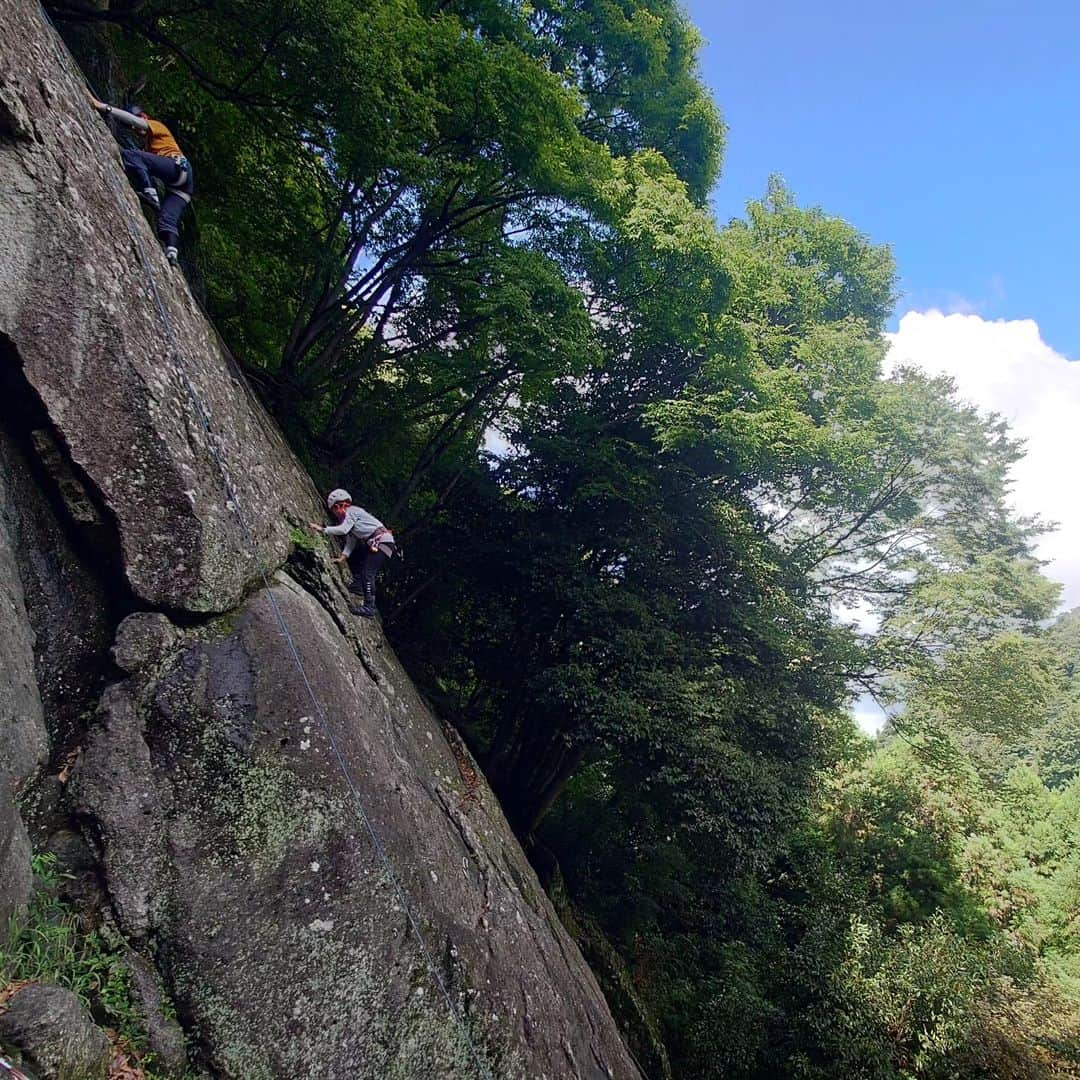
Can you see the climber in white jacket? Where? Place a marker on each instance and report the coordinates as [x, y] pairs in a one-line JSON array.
[[376, 545]]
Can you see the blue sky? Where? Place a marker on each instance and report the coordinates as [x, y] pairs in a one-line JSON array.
[[949, 130]]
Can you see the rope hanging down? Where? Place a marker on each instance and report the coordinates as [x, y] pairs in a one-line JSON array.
[[234, 503]]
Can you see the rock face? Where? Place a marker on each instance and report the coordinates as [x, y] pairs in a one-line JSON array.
[[23, 742], [230, 834], [81, 280], [233, 816]]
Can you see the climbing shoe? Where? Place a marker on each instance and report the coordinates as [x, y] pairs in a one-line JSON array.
[[356, 587], [369, 611], [172, 255], [150, 197]]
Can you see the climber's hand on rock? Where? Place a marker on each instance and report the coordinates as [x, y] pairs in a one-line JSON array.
[[314, 528], [341, 558], [99, 105]]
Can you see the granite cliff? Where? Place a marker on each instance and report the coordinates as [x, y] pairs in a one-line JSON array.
[[157, 732]]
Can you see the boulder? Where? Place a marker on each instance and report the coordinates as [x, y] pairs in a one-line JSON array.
[[16, 879], [55, 628], [71, 602], [55, 1034], [23, 739]]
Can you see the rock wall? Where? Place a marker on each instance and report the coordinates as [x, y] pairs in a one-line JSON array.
[[80, 307], [224, 814], [23, 739]]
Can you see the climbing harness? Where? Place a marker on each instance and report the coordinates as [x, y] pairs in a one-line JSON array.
[[233, 502], [179, 185], [376, 539]]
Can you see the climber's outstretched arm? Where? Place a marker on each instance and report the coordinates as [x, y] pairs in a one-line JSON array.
[[127, 119]]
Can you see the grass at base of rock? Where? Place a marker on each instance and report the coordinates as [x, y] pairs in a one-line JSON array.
[[51, 945]]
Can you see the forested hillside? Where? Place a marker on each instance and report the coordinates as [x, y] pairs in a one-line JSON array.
[[644, 467]]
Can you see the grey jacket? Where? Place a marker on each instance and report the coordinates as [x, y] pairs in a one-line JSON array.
[[358, 524]]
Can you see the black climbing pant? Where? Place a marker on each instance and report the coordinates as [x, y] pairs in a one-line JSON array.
[[365, 564], [140, 166]]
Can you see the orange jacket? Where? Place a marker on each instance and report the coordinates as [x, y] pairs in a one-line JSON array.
[[160, 141]]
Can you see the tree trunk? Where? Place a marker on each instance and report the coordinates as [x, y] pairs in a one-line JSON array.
[[543, 798], [528, 771]]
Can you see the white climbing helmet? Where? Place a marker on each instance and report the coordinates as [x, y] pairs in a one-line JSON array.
[[336, 496]]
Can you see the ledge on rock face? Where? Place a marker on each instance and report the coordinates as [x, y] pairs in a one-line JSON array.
[[78, 310], [230, 839]]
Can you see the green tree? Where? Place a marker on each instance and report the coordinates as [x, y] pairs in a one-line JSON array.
[[352, 222]]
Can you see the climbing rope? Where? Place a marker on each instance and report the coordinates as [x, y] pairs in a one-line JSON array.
[[232, 501], [7, 1069]]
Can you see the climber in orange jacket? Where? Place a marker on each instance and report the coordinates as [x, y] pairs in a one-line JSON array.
[[161, 160]]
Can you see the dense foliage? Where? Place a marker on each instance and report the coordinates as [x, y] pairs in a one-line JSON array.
[[646, 471]]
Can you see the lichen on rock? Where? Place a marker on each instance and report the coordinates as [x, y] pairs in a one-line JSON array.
[[56, 1034]]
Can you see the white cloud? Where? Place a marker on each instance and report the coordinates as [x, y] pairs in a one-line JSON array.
[[1006, 367], [868, 714], [496, 442]]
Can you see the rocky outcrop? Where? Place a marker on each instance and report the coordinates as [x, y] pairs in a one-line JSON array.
[[56, 624], [55, 1034], [110, 340], [233, 815], [230, 836]]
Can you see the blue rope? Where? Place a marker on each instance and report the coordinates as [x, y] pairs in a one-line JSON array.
[[231, 496]]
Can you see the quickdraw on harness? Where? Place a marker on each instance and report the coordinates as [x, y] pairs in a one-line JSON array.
[[376, 538]]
